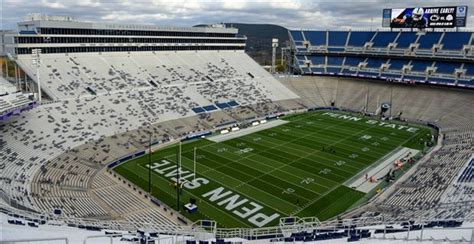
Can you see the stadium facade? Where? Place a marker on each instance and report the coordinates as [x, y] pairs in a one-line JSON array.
[[69, 36], [111, 92]]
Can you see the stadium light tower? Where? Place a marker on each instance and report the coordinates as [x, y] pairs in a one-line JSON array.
[[178, 175], [274, 48], [194, 159], [149, 162], [37, 61]]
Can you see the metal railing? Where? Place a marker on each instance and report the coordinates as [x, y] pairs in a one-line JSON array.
[[35, 240]]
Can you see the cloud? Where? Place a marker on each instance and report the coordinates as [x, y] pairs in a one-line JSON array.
[[316, 14], [52, 4]]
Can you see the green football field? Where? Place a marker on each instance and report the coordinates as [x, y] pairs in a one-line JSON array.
[[295, 169]]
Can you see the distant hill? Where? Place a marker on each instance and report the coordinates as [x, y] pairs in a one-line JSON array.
[[259, 39]]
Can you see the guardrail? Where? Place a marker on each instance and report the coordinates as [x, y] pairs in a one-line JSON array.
[[35, 240], [206, 230]]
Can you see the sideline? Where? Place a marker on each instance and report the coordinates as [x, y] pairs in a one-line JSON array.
[[247, 131], [378, 170]]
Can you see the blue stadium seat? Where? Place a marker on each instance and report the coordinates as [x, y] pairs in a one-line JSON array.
[[383, 38], [429, 39], [348, 71], [405, 39], [300, 59], [306, 71], [337, 38], [393, 76], [222, 105], [375, 62], [297, 35], [420, 65], [413, 77], [198, 110], [435, 80], [317, 60], [331, 62], [233, 103], [333, 70], [317, 70], [469, 69], [335, 61], [455, 40], [447, 67], [359, 38], [397, 64], [366, 73], [298, 38], [462, 82], [209, 108], [316, 38], [28, 32], [353, 61]]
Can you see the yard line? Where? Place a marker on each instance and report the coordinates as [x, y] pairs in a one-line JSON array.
[[333, 125], [350, 145], [250, 176], [355, 126], [337, 185], [315, 200], [232, 188], [262, 163], [378, 131], [311, 134], [338, 156], [329, 138], [307, 152], [333, 157], [291, 183], [306, 117], [196, 196], [300, 158], [319, 156]]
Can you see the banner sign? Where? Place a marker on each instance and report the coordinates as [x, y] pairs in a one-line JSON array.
[[425, 17]]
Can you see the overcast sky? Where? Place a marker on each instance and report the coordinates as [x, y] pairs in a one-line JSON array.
[[317, 14]]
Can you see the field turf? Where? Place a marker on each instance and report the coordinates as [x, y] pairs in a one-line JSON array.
[[295, 169]]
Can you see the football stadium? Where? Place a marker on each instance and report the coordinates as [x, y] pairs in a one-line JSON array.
[[129, 132]]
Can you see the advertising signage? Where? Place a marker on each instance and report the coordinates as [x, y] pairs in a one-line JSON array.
[[425, 17]]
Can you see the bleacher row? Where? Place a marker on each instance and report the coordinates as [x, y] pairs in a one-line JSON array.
[[433, 72], [11, 101], [197, 77], [426, 57], [425, 189], [468, 174], [15, 103], [445, 43], [212, 107], [433, 191]]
